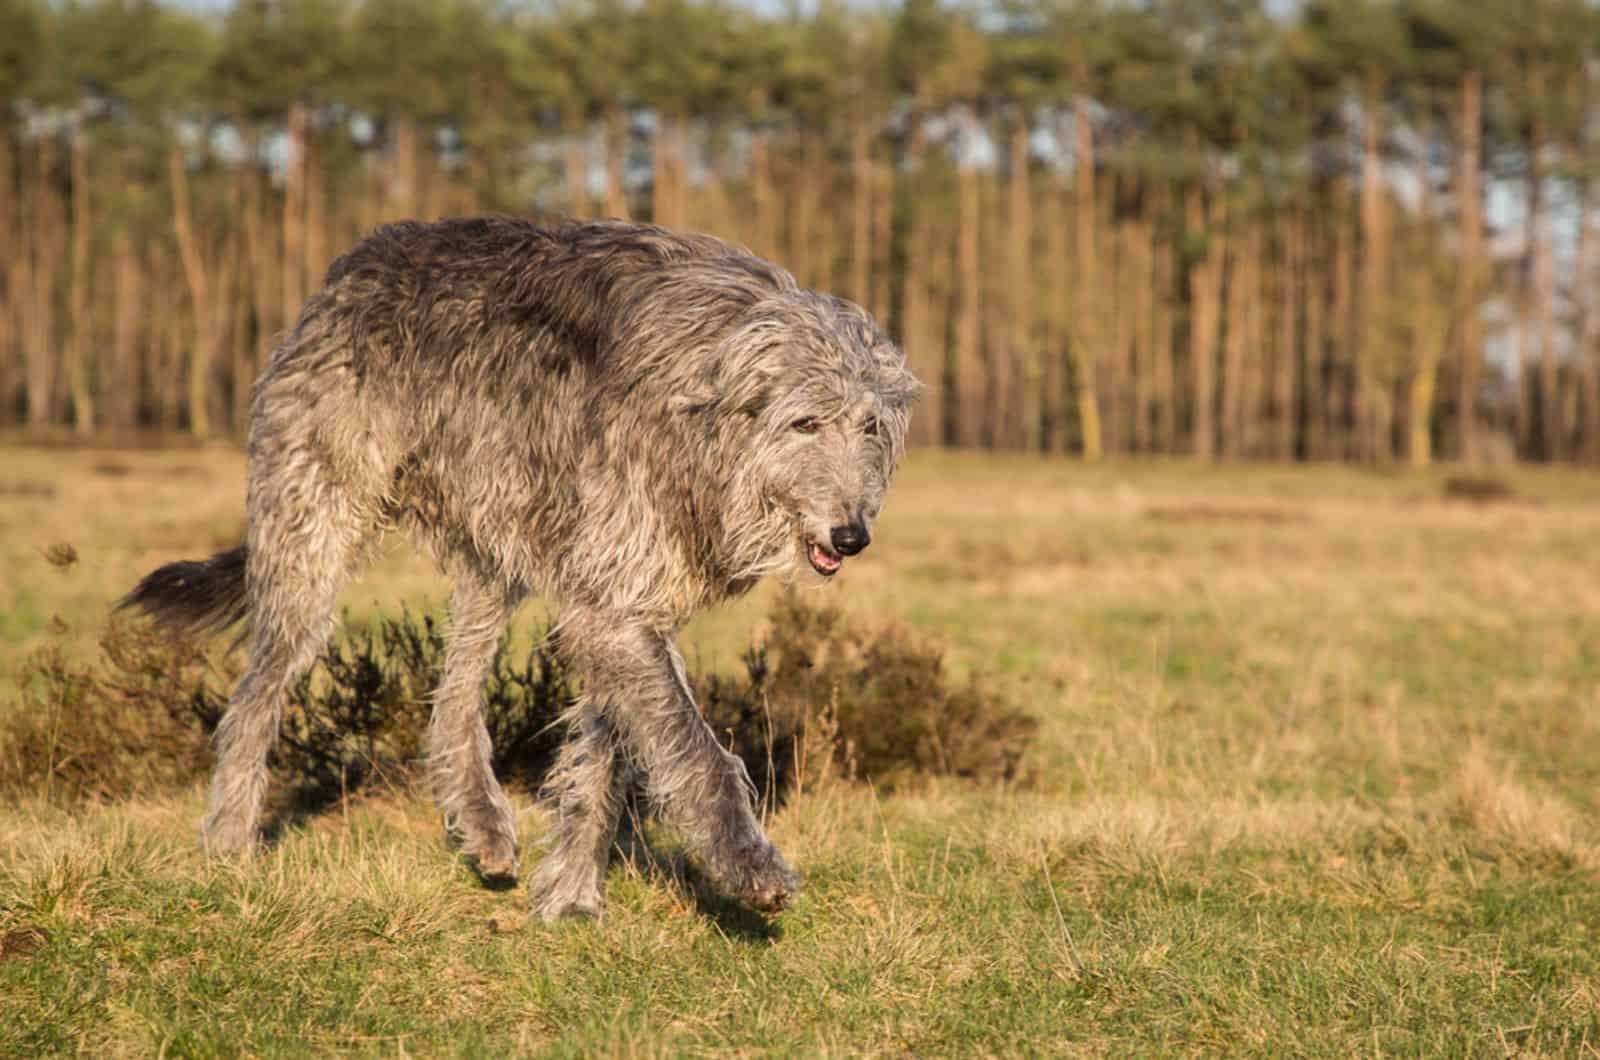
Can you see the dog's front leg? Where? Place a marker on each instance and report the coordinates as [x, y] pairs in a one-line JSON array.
[[636, 677]]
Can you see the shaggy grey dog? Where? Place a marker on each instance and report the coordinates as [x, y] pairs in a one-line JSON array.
[[635, 422]]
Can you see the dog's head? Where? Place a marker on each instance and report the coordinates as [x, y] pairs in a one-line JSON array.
[[817, 401]]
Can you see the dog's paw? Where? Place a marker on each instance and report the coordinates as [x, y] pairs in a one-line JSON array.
[[231, 835], [760, 878], [495, 862]]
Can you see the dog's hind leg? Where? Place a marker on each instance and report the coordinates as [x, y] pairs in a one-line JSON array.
[[300, 554], [477, 814], [636, 679], [585, 789]]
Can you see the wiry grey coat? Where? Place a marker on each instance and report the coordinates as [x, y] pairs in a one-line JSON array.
[[635, 422]]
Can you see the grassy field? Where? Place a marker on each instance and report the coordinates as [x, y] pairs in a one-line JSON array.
[[1317, 774]]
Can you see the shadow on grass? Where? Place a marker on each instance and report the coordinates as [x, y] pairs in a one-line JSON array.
[[670, 867]]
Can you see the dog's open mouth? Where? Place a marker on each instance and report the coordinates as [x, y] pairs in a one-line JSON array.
[[824, 560]]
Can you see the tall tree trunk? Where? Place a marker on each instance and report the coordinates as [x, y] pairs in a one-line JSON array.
[[667, 162], [1164, 413], [972, 416], [883, 245], [616, 122], [12, 249], [1429, 326], [1374, 275], [1117, 340], [1087, 329], [1343, 328], [861, 179], [1140, 354], [1021, 416], [404, 178], [80, 382], [1312, 401], [766, 213], [124, 370], [262, 245], [924, 348], [315, 194], [199, 283], [1472, 273], [1057, 341], [1585, 278], [1543, 292], [576, 150], [1205, 292], [40, 327], [1289, 299], [294, 262], [1236, 336]]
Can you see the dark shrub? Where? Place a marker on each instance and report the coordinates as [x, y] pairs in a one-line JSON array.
[[873, 702]]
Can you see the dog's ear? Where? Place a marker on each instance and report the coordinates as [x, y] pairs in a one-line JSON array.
[[900, 389], [724, 388]]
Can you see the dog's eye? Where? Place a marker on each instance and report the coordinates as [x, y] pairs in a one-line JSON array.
[[871, 426], [808, 425]]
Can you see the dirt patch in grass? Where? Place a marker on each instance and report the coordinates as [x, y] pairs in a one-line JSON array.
[[1477, 489]]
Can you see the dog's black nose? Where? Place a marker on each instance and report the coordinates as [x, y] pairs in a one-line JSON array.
[[848, 540]]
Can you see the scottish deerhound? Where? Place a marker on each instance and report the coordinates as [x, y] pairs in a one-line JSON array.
[[636, 422]]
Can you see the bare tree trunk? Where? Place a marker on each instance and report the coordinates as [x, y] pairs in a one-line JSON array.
[[199, 283], [1087, 329], [1164, 414], [882, 245], [806, 196], [1240, 277], [1343, 326], [1472, 273], [123, 412], [861, 179], [404, 179], [1374, 275], [1543, 292], [1205, 286], [667, 170], [315, 193], [40, 328], [1312, 400], [1289, 299], [577, 166], [972, 422], [293, 287], [1119, 367], [261, 246], [924, 349], [765, 238], [1021, 418], [1585, 277], [1142, 354], [1254, 380], [80, 383], [1057, 340], [12, 249], [616, 158]]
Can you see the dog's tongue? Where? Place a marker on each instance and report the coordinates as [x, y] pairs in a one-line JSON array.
[[823, 560]]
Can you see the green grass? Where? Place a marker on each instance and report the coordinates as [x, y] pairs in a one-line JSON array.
[[1317, 774]]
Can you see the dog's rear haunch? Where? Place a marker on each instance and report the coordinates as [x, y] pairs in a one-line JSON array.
[[636, 422]]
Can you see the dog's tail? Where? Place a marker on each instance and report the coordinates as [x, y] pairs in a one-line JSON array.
[[194, 596]]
